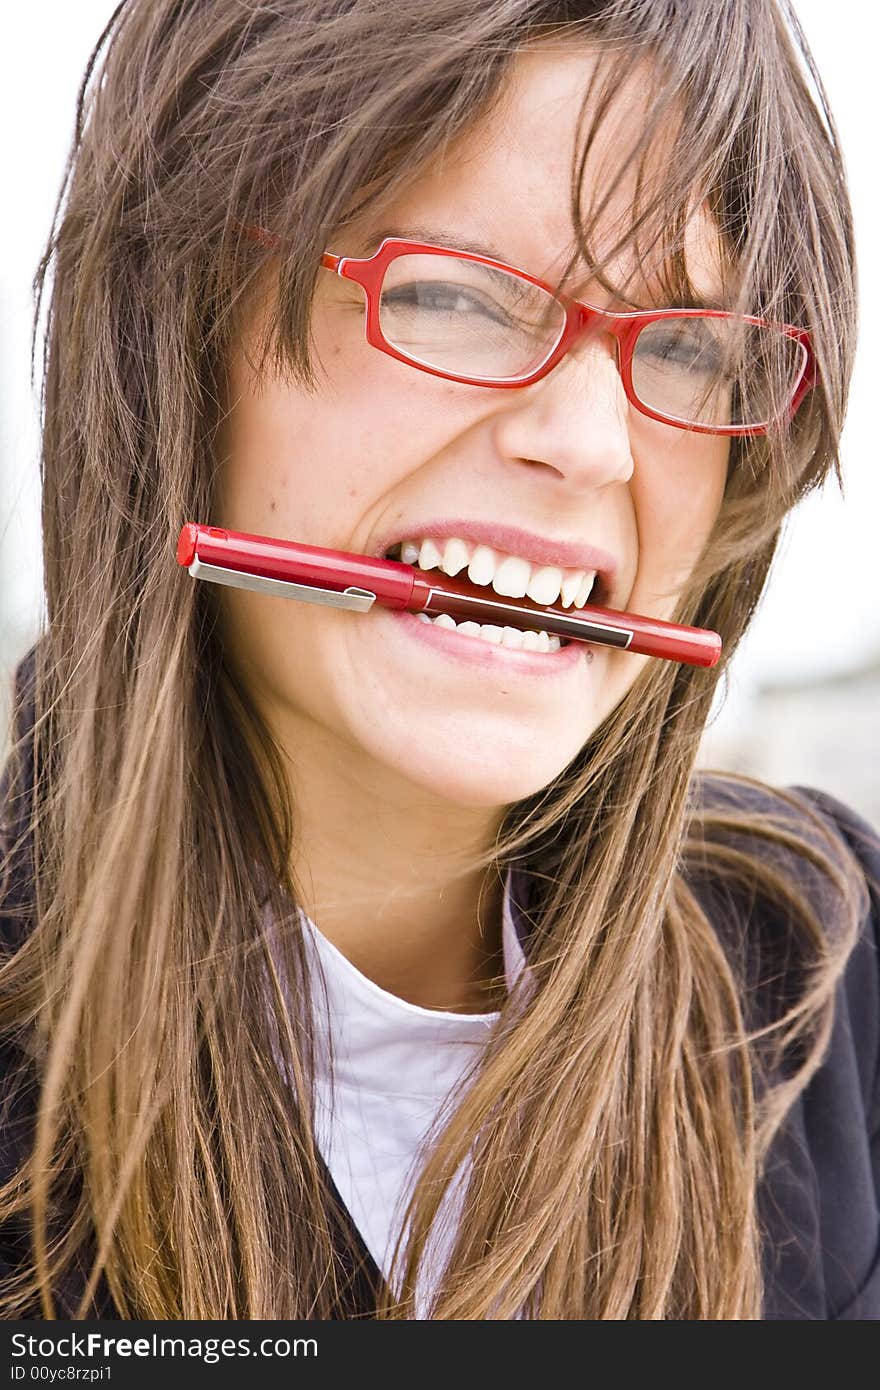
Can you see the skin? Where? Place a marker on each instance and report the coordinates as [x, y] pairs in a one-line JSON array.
[[402, 761]]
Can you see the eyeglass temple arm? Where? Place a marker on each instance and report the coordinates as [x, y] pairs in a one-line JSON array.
[[807, 382], [271, 241]]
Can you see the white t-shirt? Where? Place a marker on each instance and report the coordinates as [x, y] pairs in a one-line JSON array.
[[395, 1064]]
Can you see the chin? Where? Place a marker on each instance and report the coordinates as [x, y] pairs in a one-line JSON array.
[[480, 784]]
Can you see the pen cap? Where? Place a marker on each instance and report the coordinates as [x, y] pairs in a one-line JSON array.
[[186, 544], [274, 558]]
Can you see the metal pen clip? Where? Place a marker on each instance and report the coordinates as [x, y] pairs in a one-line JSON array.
[[357, 600]]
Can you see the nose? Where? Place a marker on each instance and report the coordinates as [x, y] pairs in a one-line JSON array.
[[575, 421]]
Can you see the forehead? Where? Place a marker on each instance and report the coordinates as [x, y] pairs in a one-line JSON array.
[[503, 187]]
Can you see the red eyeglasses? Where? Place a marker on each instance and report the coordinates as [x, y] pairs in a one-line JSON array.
[[473, 319]]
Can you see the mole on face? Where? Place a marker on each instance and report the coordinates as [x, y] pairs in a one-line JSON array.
[[272, 505]]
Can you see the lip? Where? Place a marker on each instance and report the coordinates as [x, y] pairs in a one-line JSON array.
[[537, 549], [488, 656]]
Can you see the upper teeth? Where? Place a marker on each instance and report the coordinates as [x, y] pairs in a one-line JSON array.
[[508, 574]]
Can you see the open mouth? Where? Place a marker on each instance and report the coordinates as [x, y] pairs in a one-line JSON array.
[[483, 572]]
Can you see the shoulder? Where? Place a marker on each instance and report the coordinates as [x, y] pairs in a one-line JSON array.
[[820, 1195], [19, 1082], [738, 810], [16, 812], [753, 854]]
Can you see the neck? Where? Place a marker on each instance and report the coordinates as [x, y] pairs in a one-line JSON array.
[[382, 870]]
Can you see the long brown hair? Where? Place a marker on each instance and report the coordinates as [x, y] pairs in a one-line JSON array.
[[159, 990]]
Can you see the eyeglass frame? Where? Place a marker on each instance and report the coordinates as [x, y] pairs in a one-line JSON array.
[[624, 326]]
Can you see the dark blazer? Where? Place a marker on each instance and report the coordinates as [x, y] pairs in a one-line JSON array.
[[818, 1199]]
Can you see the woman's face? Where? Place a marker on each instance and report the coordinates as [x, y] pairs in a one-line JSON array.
[[382, 453]]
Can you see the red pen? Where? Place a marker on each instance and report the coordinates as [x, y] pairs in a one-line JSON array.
[[340, 579]]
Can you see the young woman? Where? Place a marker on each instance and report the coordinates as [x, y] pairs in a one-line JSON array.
[[356, 965]]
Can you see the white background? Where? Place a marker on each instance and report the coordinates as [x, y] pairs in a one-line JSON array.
[[821, 617]]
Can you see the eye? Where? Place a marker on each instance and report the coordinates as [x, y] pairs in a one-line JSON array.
[[680, 346], [441, 297]]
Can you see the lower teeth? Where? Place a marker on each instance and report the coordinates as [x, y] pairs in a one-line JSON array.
[[511, 637]]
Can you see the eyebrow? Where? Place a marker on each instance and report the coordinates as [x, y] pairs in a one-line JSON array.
[[439, 237], [456, 241]]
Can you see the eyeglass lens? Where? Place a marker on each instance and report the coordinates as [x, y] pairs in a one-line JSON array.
[[474, 320], [467, 318]]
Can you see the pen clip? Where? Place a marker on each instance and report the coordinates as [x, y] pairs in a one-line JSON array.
[[357, 600]]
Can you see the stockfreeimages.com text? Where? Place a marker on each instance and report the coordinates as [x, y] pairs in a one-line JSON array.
[[207, 1349]]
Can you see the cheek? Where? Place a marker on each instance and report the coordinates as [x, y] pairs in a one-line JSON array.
[[299, 463], [388, 413], [677, 489], [323, 461]]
